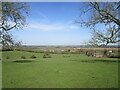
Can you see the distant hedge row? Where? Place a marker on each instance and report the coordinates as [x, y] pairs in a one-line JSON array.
[[88, 52]]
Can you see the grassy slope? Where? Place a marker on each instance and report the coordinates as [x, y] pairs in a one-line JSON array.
[[58, 72]]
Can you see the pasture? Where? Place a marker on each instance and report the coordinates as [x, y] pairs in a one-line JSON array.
[[59, 71]]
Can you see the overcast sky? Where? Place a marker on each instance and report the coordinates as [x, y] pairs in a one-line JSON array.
[[51, 23]]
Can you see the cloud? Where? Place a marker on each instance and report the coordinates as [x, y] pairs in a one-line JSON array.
[[53, 27], [73, 27], [43, 18], [43, 23]]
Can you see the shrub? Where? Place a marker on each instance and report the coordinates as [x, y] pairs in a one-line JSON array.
[[91, 53], [67, 56], [33, 56], [46, 55], [23, 57], [7, 57], [105, 52], [7, 49]]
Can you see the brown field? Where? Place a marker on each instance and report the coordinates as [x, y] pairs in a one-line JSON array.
[[101, 48]]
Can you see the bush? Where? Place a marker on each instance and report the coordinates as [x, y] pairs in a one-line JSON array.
[[7, 49], [89, 53], [7, 57], [67, 56], [33, 56], [46, 55], [105, 52], [23, 57]]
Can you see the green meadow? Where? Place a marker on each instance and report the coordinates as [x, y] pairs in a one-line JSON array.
[[59, 71]]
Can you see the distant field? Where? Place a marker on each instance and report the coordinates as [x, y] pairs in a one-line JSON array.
[[96, 52], [37, 48], [59, 71], [102, 48], [44, 48]]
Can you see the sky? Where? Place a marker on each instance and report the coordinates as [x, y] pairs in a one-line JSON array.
[[52, 23]]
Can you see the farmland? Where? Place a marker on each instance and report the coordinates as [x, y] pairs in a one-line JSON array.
[[58, 71]]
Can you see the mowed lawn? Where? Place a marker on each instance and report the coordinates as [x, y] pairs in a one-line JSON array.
[[60, 71]]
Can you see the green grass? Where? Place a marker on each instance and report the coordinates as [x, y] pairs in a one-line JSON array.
[[58, 71], [0, 70]]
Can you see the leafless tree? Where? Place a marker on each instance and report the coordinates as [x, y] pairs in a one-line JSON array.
[[13, 16], [101, 13]]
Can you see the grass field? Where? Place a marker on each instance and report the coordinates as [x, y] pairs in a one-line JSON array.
[[60, 71]]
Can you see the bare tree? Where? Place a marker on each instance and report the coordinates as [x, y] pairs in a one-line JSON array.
[[101, 13], [13, 16], [104, 37], [8, 42]]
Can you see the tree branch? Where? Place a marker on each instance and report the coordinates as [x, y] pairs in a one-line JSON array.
[[7, 29]]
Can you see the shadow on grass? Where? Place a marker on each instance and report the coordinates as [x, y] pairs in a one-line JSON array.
[[24, 61], [95, 61]]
